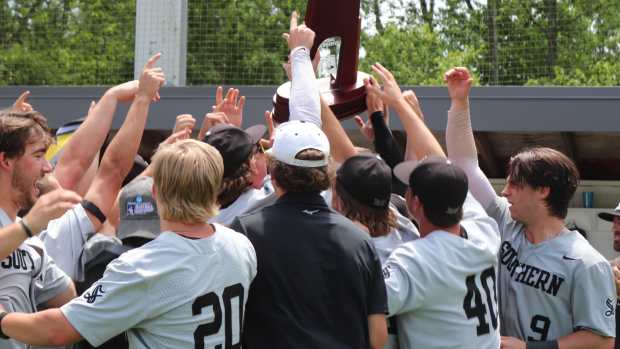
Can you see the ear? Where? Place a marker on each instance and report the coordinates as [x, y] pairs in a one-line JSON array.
[[543, 192], [336, 203], [6, 163], [412, 201]]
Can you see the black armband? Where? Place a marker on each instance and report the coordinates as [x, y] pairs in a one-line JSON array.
[[26, 228], [542, 345], [94, 210], [2, 315]]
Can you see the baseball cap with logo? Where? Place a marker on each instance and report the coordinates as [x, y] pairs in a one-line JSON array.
[[440, 185], [138, 210], [366, 178], [609, 216], [234, 144], [293, 137]]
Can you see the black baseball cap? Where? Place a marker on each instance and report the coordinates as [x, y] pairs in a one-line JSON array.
[[368, 179], [440, 185], [234, 144]]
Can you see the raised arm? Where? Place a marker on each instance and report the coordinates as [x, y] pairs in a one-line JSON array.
[[79, 152], [420, 140], [460, 136], [119, 155], [341, 147], [304, 102]]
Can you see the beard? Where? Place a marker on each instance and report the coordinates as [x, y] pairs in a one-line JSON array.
[[23, 187]]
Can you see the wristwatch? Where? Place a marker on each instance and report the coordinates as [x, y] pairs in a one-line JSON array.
[[2, 315]]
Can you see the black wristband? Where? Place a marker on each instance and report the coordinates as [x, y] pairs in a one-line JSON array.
[[542, 345], [94, 210], [2, 315], [26, 228], [378, 114]]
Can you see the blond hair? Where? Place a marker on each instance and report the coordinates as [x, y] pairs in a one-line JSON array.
[[187, 177]]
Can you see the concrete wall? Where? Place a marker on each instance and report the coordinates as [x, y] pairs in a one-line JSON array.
[[493, 108]]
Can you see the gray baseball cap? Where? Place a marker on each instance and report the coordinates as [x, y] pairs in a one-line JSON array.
[[609, 216], [138, 210]]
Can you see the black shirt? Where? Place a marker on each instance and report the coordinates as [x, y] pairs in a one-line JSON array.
[[319, 277]]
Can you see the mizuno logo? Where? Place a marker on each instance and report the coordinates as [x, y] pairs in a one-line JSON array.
[[308, 212], [569, 258], [91, 297]]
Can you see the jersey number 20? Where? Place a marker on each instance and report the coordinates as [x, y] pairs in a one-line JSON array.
[[473, 304], [212, 300]]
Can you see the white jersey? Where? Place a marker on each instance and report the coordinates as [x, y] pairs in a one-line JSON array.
[[252, 199], [442, 287], [64, 240], [551, 289], [28, 278], [173, 292]]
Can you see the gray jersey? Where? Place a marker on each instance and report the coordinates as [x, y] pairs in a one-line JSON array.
[[64, 240], [405, 231], [553, 288], [173, 292], [28, 277], [442, 287]]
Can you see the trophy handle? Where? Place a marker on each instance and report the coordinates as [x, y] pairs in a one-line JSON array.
[[338, 18]]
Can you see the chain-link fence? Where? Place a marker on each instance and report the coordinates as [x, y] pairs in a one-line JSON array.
[[508, 42]]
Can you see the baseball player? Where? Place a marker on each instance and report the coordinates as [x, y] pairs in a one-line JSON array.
[[28, 276], [556, 290], [614, 218], [446, 280], [185, 289]]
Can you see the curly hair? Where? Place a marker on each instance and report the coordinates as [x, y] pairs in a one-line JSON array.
[[296, 179], [232, 187]]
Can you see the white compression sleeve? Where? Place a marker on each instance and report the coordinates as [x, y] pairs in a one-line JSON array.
[[462, 151], [305, 103]]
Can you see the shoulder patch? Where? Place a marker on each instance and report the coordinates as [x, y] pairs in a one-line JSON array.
[[92, 296]]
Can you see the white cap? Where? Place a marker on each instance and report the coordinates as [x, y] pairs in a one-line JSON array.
[[295, 136]]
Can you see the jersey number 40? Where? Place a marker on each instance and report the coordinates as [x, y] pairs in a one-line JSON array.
[[212, 300], [473, 305]]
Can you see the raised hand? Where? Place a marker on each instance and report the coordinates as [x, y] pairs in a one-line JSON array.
[[184, 122], [151, 79], [268, 143], [232, 105], [299, 35], [413, 102], [459, 83], [391, 93], [178, 136], [365, 127], [210, 120], [50, 206], [21, 105]]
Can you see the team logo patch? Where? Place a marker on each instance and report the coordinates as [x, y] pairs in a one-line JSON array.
[[386, 272], [611, 307], [92, 296], [139, 207]]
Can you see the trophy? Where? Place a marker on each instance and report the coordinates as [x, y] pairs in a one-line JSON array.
[[337, 26]]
